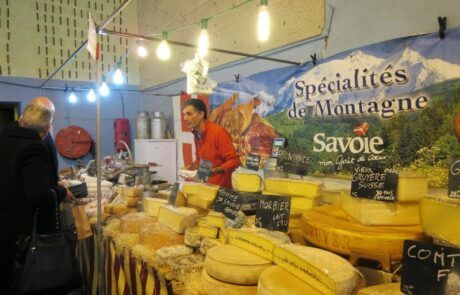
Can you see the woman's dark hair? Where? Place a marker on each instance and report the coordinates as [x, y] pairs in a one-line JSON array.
[[197, 104]]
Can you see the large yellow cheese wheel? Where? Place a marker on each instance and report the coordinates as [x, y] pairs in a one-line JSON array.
[[384, 289], [131, 223], [212, 286], [274, 280], [234, 265], [157, 235], [330, 228]]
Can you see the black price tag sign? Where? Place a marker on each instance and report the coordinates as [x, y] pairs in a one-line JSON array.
[[430, 269], [278, 143], [273, 212], [453, 188], [253, 162], [227, 202], [204, 170], [173, 194], [375, 183], [292, 161]]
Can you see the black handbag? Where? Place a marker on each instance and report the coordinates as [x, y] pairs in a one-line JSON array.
[[50, 260]]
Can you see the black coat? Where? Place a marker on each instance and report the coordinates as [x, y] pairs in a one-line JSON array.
[[27, 178]]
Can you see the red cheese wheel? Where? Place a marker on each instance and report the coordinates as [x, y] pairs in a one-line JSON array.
[[73, 142]]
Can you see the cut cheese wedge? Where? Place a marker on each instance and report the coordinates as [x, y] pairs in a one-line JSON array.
[[257, 241], [199, 201], [304, 203], [152, 205], [371, 212], [440, 217], [411, 188], [330, 228], [208, 232], [215, 219], [212, 286], [294, 187], [157, 235], [234, 265], [178, 218], [246, 182], [384, 289], [331, 197], [328, 272], [204, 189], [274, 280]]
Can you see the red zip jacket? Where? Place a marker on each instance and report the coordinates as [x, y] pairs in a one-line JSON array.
[[215, 145]]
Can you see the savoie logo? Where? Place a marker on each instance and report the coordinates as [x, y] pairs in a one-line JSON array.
[[357, 145]]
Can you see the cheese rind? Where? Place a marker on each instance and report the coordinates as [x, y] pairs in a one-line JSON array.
[[274, 280], [152, 205], [257, 241], [246, 182], [192, 237], [411, 188], [328, 272], [234, 265], [212, 286], [294, 187], [371, 212], [440, 218], [177, 218], [208, 243], [131, 223]]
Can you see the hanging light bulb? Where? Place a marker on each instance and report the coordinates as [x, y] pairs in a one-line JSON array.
[[142, 51], [104, 89], [117, 77], [203, 41], [72, 97], [91, 96], [163, 51], [263, 23]]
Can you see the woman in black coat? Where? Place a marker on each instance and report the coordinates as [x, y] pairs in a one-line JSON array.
[[27, 181]]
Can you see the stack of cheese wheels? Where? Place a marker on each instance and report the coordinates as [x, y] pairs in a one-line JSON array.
[[231, 269], [274, 280], [132, 223], [384, 289], [325, 271], [157, 235], [440, 218], [330, 228]]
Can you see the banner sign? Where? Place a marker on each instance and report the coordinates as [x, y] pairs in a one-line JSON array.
[[396, 102]]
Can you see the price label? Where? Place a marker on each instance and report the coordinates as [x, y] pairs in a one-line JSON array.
[[253, 162], [173, 194], [375, 183], [292, 161], [204, 170], [273, 212], [453, 188], [227, 202]]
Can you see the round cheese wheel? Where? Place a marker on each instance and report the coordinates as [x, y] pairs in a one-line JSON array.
[[212, 286], [234, 265], [157, 235], [275, 281], [132, 223]]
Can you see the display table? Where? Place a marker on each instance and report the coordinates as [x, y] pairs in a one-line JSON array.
[[124, 274]]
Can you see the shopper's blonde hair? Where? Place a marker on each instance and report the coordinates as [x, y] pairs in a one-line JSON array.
[[36, 117]]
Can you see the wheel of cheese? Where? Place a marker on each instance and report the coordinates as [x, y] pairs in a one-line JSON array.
[[234, 265], [132, 223], [157, 235], [192, 237], [212, 286], [385, 289], [276, 281]]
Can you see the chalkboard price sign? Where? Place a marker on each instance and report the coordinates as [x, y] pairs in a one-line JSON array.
[[375, 183], [292, 161], [204, 170], [278, 143], [429, 269], [173, 194], [273, 212], [253, 162], [454, 179], [227, 202]]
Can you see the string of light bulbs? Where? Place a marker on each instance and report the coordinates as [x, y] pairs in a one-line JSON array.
[[163, 50]]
